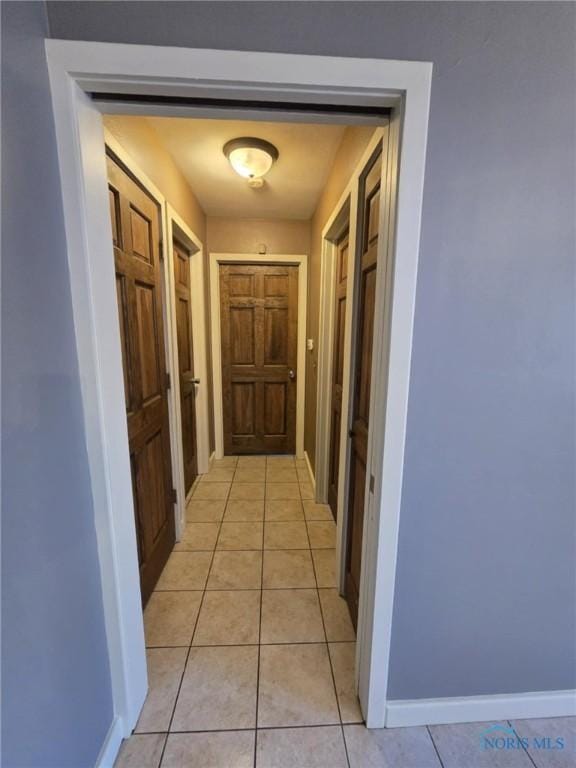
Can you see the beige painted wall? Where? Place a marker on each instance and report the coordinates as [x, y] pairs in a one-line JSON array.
[[245, 235], [142, 143], [348, 156]]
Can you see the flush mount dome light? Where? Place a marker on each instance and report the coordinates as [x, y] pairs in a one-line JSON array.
[[251, 158]]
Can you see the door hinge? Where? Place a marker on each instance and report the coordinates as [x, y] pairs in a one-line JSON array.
[[168, 381], [174, 496], [371, 483], [161, 250]]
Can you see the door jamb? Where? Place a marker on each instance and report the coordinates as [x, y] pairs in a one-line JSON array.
[[299, 260], [177, 227], [77, 67]]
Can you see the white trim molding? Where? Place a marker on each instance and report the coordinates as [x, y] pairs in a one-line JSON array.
[[299, 260], [78, 68], [178, 227], [470, 709], [111, 746], [310, 470]]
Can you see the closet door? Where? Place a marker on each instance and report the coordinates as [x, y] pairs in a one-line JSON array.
[[136, 235], [362, 374]]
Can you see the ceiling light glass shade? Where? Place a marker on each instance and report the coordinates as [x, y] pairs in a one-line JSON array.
[[250, 158]]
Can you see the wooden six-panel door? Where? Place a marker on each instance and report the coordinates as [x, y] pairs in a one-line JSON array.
[[337, 370], [368, 224], [136, 237], [259, 326], [187, 383]]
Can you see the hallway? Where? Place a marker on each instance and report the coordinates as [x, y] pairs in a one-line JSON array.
[[251, 650]]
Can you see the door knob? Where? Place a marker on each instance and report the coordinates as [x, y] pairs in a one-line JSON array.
[[191, 380], [291, 373]]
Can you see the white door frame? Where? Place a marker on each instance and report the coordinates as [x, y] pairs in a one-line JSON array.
[[299, 260], [177, 227], [77, 67]]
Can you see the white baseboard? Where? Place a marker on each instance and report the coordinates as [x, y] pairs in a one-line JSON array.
[[212, 459], [111, 746], [470, 709], [310, 471]]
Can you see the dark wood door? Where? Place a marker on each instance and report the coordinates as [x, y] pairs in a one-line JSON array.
[[186, 361], [259, 324], [366, 276], [136, 235], [337, 370]]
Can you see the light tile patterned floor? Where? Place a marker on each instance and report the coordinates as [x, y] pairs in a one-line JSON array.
[[251, 650]]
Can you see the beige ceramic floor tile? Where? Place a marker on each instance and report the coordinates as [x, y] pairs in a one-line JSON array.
[[325, 567], [306, 491], [281, 459], [240, 536], [247, 491], [282, 491], [165, 667], [211, 491], [242, 511], [392, 748], [227, 749], [236, 570], [314, 511], [198, 537], [141, 751], [218, 690], [285, 536], [343, 657], [296, 686], [205, 511], [281, 510], [336, 616], [185, 570], [251, 461], [170, 617], [303, 474], [322, 534], [218, 475], [321, 747], [229, 618], [291, 616], [280, 474], [251, 474], [536, 729], [226, 463], [460, 746], [288, 568]]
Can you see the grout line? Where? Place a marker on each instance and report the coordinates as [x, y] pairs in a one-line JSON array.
[[192, 638], [523, 747], [434, 745], [260, 625], [328, 650]]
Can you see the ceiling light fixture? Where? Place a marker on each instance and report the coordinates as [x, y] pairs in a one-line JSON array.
[[251, 158]]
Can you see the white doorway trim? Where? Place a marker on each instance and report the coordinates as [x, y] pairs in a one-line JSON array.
[[301, 261], [77, 67], [177, 227]]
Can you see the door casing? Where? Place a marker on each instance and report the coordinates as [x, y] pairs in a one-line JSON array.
[[78, 67], [299, 260]]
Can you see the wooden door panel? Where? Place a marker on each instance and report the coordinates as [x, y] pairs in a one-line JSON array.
[[337, 371], [242, 405], [242, 332], [136, 238], [360, 416], [276, 336], [183, 295], [259, 315]]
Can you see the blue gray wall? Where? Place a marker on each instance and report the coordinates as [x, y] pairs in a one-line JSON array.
[[486, 569], [485, 582], [56, 698]]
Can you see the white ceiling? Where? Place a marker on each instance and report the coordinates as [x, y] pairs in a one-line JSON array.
[[292, 187]]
